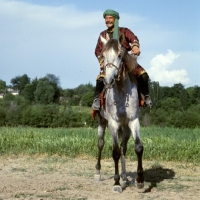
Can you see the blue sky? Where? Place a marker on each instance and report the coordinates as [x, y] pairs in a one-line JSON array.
[[39, 37]]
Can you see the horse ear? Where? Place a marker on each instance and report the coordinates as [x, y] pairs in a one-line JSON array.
[[104, 41], [121, 38]]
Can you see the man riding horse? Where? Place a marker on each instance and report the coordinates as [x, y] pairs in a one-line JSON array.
[[131, 43]]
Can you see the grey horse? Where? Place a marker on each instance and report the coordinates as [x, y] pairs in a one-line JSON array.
[[120, 112]]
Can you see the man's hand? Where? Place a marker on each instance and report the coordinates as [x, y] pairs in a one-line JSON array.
[[135, 50], [102, 67]]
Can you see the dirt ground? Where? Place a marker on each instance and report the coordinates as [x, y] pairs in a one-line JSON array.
[[43, 177]]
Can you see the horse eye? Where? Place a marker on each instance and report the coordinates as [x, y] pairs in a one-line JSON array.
[[119, 56]]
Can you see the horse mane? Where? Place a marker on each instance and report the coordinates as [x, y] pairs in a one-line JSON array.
[[128, 59], [112, 43], [130, 63]]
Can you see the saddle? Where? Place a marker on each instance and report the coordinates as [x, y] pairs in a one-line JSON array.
[[103, 100]]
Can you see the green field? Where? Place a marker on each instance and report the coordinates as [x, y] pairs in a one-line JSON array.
[[160, 144]]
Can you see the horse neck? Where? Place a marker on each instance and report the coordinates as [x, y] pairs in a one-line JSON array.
[[123, 85]]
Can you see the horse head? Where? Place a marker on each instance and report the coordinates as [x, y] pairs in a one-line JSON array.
[[112, 54]]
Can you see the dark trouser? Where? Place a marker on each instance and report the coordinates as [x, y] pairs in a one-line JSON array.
[[143, 84], [99, 87], [142, 80]]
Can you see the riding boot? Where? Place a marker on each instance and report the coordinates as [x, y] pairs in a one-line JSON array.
[[98, 90], [144, 88]]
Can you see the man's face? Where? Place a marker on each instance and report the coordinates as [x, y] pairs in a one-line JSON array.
[[109, 21]]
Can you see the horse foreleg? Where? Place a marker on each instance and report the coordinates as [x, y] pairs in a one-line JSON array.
[[135, 128], [101, 132], [123, 149], [116, 156], [123, 165], [114, 128]]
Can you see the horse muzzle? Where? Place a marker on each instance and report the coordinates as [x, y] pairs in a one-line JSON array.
[[110, 84]]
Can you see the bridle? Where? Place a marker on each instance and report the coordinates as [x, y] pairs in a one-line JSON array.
[[110, 65]]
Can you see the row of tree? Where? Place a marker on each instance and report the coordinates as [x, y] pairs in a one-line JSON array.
[[175, 106], [172, 106], [47, 90]]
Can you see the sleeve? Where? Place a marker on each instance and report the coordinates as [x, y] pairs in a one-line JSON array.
[[99, 47], [131, 38]]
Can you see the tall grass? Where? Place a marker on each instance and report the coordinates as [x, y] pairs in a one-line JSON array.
[[167, 144]]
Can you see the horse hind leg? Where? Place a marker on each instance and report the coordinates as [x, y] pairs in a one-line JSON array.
[[139, 181], [101, 132]]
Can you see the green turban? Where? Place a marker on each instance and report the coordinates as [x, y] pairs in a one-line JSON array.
[[116, 25]]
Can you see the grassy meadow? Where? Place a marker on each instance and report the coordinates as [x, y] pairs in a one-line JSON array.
[[160, 144]]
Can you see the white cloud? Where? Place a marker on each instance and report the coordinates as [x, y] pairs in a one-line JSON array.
[[37, 40], [159, 70], [61, 16]]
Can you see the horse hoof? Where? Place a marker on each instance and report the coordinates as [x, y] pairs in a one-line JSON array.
[[97, 177], [139, 185], [123, 185], [117, 189]]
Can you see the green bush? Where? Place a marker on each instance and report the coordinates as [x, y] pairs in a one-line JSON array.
[[87, 99], [185, 120], [2, 116], [43, 115], [13, 114]]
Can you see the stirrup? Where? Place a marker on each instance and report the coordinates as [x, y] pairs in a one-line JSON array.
[[96, 104], [148, 101]]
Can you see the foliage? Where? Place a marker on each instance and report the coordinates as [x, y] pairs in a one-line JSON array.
[[155, 92], [43, 103], [195, 95], [18, 111], [81, 95], [2, 86], [2, 116], [170, 104], [14, 108], [44, 92], [12, 114], [75, 100], [53, 79], [8, 97], [87, 99], [19, 82], [28, 92]]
